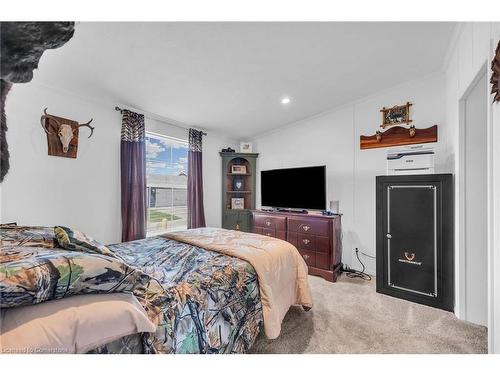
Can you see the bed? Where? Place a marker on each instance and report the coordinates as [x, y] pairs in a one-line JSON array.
[[205, 290]]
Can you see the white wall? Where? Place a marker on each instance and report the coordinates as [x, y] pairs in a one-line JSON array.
[[83, 193], [471, 51], [332, 139]]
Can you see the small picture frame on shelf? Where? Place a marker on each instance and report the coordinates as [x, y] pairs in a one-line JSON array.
[[246, 147], [238, 169], [237, 203]]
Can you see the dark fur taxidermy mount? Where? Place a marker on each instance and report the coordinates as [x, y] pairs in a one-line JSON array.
[[495, 75], [4, 151], [22, 45]]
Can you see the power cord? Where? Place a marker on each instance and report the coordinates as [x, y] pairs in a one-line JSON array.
[[353, 274]]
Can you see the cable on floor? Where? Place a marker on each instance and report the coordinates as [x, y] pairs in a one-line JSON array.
[[354, 274]]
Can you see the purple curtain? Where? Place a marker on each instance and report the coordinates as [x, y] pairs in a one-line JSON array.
[[196, 213], [133, 176]]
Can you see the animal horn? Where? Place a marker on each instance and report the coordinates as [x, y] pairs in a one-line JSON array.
[[87, 124], [50, 117]]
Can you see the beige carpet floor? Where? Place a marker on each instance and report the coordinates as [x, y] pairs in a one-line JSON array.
[[350, 317]]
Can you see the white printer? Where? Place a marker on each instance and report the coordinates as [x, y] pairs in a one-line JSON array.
[[414, 159]]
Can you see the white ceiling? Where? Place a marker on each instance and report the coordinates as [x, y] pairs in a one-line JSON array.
[[230, 77]]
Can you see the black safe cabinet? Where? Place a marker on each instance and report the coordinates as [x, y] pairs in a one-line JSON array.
[[415, 238]]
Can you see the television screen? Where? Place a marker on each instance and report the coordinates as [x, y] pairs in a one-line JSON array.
[[303, 188]]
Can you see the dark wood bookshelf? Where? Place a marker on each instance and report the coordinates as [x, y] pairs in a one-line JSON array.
[[238, 219]]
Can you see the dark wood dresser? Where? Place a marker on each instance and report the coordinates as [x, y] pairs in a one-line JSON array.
[[318, 238]]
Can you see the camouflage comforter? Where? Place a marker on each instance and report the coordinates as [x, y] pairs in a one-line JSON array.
[[202, 301], [213, 300]]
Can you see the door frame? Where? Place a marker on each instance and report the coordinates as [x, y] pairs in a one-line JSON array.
[[460, 259]]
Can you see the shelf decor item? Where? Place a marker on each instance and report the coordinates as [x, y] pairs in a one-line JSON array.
[[238, 183], [246, 147], [237, 203], [495, 75], [238, 169], [397, 115]]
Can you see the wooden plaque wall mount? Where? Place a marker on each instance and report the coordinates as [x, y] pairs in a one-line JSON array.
[[398, 136]]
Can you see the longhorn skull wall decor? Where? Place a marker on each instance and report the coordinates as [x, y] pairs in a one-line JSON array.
[[62, 134]]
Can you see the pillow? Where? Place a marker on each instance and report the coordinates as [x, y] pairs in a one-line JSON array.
[[71, 239], [14, 235], [30, 275], [89, 321]]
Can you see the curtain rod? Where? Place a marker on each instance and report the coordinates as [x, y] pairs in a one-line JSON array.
[[178, 126]]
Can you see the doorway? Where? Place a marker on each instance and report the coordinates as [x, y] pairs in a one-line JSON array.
[[473, 202]]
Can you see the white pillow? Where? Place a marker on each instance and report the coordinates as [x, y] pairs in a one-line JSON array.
[[72, 325]]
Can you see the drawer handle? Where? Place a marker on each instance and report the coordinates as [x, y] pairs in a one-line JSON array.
[[306, 227], [237, 226], [306, 241], [268, 234], [305, 256], [268, 223]]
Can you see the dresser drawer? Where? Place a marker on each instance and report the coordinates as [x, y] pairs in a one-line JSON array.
[[322, 261], [268, 232], [270, 222], [306, 242], [280, 234], [322, 244], [309, 225], [309, 257]]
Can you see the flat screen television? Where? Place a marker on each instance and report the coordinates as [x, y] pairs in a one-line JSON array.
[[297, 188]]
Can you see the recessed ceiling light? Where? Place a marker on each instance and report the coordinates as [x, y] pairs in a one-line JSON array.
[[285, 100]]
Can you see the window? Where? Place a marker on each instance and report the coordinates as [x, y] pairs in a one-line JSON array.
[[166, 179]]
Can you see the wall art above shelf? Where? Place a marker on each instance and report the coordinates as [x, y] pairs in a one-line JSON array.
[[399, 136], [397, 115]]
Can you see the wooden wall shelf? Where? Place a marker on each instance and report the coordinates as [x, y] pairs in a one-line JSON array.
[[398, 136]]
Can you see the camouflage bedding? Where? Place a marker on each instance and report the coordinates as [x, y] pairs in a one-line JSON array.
[[14, 235], [214, 304], [202, 301]]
